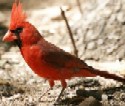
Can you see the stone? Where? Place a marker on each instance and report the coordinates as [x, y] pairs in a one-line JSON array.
[[91, 101]]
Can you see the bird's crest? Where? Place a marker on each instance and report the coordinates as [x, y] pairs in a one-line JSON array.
[[17, 14]]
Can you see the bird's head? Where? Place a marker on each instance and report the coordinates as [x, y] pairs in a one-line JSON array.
[[20, 31]]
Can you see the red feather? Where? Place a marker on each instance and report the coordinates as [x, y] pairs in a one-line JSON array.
[[17, 15]]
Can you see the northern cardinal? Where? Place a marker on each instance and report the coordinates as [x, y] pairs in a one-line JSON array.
[[44, 58]]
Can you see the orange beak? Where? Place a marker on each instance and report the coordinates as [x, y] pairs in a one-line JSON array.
[[9, 37]]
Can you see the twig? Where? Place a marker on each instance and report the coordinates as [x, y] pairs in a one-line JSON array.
[[79, 6], [70, 32]]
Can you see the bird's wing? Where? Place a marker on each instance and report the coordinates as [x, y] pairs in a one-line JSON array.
[[58, 58]]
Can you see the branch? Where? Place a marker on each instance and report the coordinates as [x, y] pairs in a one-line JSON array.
[[70, 32]]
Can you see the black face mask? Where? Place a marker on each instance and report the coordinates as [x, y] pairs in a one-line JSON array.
[[17, 32]]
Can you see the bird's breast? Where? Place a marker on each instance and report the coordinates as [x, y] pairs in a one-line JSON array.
[[32, 56]]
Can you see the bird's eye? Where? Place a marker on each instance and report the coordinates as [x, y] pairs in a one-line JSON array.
[[17, 30]]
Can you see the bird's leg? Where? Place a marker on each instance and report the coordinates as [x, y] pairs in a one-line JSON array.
[[63, 83], [51, 83]]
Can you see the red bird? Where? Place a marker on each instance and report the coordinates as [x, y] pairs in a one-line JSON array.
[[44, 58]]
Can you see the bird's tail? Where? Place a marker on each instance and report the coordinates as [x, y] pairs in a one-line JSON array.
[[105, 74]]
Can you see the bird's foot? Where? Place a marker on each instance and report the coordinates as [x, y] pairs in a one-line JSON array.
[[59, 97]]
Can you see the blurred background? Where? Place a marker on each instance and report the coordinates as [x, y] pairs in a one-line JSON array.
[[98, 28]]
